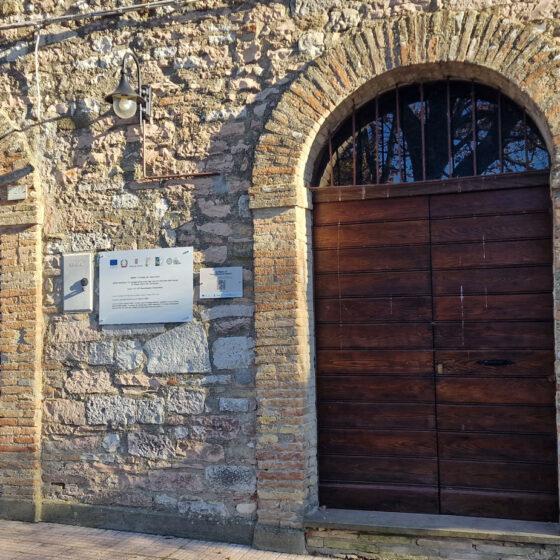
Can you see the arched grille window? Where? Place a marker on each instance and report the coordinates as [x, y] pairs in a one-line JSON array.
[[432, 131]]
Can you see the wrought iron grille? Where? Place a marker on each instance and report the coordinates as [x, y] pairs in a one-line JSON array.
[[431, 131]]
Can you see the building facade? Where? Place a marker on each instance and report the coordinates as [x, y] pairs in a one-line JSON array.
[[210, 428]]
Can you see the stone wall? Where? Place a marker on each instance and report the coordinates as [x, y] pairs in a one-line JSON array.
[[361, 545], [212, 421]]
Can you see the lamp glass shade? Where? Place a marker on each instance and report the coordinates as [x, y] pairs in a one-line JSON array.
[[124, 107]]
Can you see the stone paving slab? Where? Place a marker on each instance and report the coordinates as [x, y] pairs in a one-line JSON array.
[[46, 541]]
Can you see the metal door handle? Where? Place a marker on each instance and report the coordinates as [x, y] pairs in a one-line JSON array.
[[495, 363]]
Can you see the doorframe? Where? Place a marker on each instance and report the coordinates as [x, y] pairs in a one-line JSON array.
[[513, 57]]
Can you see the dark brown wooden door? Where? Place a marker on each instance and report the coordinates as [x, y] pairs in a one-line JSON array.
[[435, 354]]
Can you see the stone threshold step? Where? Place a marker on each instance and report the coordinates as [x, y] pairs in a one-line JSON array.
[[424, 525]]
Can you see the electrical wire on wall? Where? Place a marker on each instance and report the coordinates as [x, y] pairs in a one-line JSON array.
[[37, 78]]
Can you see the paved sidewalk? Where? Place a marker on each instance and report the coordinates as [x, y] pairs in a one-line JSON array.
[[43, 541]]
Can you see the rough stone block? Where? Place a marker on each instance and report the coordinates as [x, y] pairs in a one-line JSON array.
[[181, 432], [65, 412], [94, 241], [210, 452], [114, 411], [246, 509], [304, 8], [129, 355], [151, 411], [216, 380], [229, 477], [221, 311], [150, 446], [101, 353], [133, 380], [81, 381], [312, 43], [78, 352], [125, 201], [111, 442], [233, 352], [74, 331], [203, 509], [175, 481], [183, 349], [215, 427], [244, 376], [184, 401], [234, 405]]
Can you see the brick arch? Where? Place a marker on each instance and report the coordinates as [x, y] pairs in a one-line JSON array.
[[516, 58]]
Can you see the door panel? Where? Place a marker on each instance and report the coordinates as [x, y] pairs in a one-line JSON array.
[[493, 350], [381, 497], [528, 307], [491, 228], [489, 418], [485, 363], [492, 254], [363, 310], [371, 362], [505, 505], [435, 353]]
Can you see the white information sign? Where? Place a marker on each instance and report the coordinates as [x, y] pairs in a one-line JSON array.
[[221, 282], [147, 286]]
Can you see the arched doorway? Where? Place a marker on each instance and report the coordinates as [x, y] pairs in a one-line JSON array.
[[434, 309]]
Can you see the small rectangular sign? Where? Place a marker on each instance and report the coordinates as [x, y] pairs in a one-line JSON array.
[[77, 282], [17, 192], [221, 282], [146, 286]]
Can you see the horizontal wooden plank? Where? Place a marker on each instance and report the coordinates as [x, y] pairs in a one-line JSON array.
[[373, 284], [376, 389], [537, 363], [394, 362], [380, 497], [493, 280], [532, 335], [500, 504], [355, 310], [492, 253], [487, 418], [370, 443], [495, 390], [491, 228], [534, 199], [535, 307], [518, 477], [364, 259], [371, 234], [397, 470], [375, 415], [388, 335], [370, 210], [454, 185], [498, 447]]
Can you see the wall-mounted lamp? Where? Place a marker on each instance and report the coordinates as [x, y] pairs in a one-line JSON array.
[[126, 102]]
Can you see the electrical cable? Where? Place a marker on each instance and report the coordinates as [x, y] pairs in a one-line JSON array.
[[37, 80], [99, 13]]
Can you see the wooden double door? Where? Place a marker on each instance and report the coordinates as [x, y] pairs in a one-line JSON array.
[[434, 333]]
